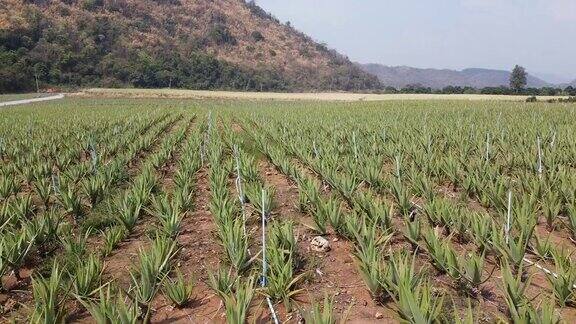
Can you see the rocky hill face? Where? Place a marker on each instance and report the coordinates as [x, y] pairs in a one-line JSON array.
[[200, 44], [401, 76]]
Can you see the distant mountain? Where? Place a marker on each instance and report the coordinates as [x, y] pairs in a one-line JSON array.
[[401, 76], [566, 84], [552, 78]]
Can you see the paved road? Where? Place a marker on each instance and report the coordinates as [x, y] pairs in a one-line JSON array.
[[27, 101]]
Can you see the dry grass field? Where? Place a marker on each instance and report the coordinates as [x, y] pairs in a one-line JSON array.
[[199, 94]]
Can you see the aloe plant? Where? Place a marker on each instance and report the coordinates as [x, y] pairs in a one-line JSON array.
[[184, 196], [49, 298], [572, 219], [43, 189], [376, 210], [320, 225], [15, 248], [235, 243], [7, 187], [112, 236], [333, 213], [71, 202], [322, 313], [563, 283], [443, 255], [369, 254], [542, 247], [86, 276], [3, 264], [514, 250], [178, 290], [401, 271], [419, 305], [254, 192], [283, 239], [127, 211], [153, 267], [111, 308], [75, 246], [222, 281], [307, 194], [22, 206], [413, 231], [237, 304], [402, 197], [169, 213], [471, 271], [94, 188], [514, 287], [551, 207], [281, 282]]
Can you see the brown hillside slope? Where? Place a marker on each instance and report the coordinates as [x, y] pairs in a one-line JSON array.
[[110, 37]]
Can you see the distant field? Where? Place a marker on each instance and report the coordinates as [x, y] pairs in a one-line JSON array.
[[199, 94], [21, 96]]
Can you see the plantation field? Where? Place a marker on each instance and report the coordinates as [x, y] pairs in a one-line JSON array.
[[215, 211]]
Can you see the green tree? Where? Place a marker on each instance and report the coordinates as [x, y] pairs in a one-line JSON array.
[[518, 78]]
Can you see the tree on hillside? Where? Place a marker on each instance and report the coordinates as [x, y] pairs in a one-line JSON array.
[[518, 79]]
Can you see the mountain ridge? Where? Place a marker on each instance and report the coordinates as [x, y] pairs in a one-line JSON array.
[[402, 76]]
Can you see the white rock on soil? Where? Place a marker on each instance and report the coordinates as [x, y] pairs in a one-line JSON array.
[[320, 244]]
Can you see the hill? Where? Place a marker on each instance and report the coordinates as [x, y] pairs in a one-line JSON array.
[[401, 76], [199, 44]]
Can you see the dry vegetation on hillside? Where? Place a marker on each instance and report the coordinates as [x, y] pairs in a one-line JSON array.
[[160, 43]]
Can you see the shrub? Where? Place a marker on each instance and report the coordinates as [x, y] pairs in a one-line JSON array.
[[220, 34], [257, 36]]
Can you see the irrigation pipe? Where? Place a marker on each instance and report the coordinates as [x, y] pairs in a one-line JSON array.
[[555, 275], [539, 157], [239, 186], [508, 216], [526, 260]]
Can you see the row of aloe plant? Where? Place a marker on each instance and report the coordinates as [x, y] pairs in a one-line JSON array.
[[360, 228], [40, 177], [29, 232], [472, 270], [283, 275], [22, 209], [130, 204], [82, 274], [553, 204], [155, 264], [234, 284]]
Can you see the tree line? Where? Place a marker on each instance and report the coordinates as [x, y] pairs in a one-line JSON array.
[[502, 90], [517, 86]]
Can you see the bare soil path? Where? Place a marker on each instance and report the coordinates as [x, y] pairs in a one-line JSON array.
[[28, 101]]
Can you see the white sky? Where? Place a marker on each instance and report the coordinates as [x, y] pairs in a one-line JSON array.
[[455, 34]]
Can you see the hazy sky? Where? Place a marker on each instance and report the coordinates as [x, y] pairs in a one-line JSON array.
[[456, 34]]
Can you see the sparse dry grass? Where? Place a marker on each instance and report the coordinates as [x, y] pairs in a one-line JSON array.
[[201, 94]]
